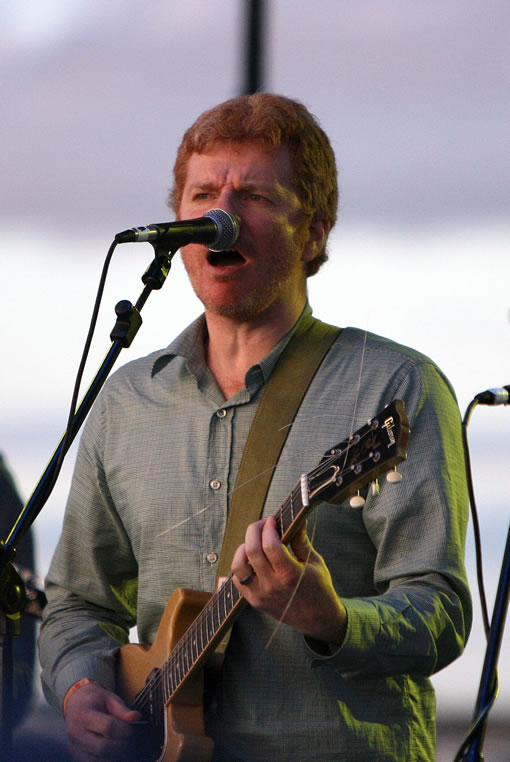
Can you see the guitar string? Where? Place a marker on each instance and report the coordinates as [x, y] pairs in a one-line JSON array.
[[230, 493], [179, 653], [296, 588], [207, 507], [180, 523], [305, 564]]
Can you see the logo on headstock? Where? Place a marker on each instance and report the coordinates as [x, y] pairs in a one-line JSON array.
[[389, 425]]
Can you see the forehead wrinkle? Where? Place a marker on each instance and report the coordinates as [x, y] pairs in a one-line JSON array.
[[217, 172], [245, 184]]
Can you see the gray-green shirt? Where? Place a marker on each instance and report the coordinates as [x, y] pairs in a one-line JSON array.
[[146, 514]]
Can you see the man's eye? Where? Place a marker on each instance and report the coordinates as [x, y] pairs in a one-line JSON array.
[[254, 197], [200, 196]]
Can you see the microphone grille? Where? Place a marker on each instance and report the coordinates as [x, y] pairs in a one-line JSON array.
[[228, 229]]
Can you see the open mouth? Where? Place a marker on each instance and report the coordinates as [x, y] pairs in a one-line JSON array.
[[225, 258]]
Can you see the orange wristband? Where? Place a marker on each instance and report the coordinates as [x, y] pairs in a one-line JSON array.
[[74, 688]]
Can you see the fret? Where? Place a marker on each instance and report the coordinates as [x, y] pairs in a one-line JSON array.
[[194, 644], [201, 634], [216, 606], [186, 658], [172, 681], [208, 629], [214, 615], [156, 705], [224, 594], [180, 671], [165, 683]]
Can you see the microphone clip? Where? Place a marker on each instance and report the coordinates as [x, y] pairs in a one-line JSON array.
[[497, 396]]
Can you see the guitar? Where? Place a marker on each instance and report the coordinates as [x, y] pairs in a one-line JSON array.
[[165, 681]]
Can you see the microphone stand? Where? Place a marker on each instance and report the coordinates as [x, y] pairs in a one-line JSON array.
[[12, 589], [488, 681]]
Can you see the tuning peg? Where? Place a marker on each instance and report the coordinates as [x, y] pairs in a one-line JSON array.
[[394, 476], [375, 488], [357, 501]]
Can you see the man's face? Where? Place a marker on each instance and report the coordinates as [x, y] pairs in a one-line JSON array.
[[266, 269]]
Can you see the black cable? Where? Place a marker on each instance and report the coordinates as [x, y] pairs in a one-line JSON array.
[[474, 517], [66, 440]]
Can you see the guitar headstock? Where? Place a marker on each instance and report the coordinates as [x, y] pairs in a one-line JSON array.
[[375, 448]]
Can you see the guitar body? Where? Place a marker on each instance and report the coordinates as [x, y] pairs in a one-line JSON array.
[[181, 737]]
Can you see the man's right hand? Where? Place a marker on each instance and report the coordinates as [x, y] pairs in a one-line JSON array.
[[98, 724]]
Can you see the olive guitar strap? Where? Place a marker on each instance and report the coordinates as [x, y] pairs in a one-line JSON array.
[[281, 398]]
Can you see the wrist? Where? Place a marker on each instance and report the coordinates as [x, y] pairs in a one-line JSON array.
[[75, 687]]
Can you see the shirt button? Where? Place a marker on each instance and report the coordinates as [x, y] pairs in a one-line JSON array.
[[212, 557], [215, 484], [221, 413]]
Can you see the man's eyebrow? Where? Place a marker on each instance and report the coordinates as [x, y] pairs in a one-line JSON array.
[[206, 185], [245, 184], [253, 184]]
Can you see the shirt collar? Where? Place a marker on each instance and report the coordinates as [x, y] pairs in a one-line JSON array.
[[190, 346]]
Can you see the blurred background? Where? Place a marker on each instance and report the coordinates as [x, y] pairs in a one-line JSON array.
[[95, 97]]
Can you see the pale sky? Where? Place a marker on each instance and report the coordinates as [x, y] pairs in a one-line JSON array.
[[95, 97]]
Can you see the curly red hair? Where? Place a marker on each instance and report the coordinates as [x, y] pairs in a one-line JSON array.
[[271, 120]]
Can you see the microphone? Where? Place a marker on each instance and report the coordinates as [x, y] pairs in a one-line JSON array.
[[498, 396], [218, 229]]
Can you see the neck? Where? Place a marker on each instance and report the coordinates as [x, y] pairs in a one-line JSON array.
[[236, 344]]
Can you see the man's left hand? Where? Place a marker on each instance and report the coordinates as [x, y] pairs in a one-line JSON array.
[[295, 588]]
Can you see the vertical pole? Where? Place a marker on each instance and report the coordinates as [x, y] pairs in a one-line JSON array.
[[488, 681], [254, 46], [6, 687]]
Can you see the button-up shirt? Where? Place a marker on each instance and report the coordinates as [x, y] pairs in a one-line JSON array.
[[147, 511]]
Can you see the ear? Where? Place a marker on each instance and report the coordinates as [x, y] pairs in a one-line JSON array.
[[317, 234]]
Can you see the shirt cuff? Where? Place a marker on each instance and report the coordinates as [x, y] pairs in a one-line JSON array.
[[72, 672], [363, 627]]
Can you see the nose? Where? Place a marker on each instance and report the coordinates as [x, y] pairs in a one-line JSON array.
[[228, 201]]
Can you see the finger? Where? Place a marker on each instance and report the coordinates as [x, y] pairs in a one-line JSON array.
[[302, 547], [241, 567], [260, 537], [120, 711], [240, 559], [93, 745], [245, 581], [275, 551], [221, 581], [106, 726]]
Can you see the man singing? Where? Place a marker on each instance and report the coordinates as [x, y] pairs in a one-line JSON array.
[[331, 658]]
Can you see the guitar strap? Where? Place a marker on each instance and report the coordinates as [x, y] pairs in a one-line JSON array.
[[281, 398]]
